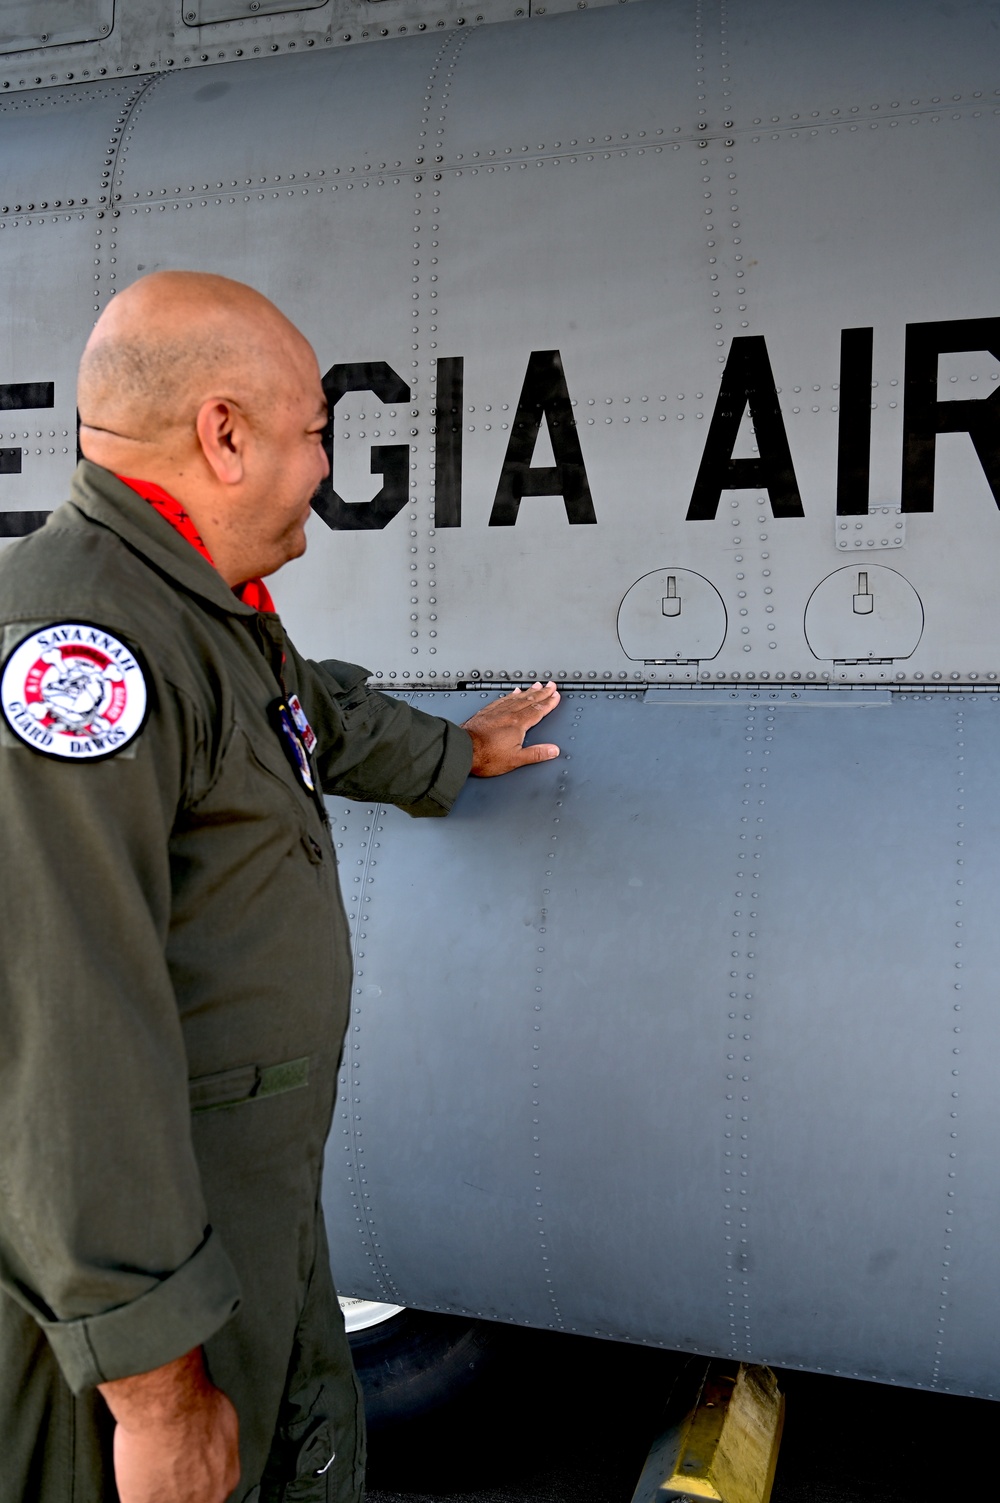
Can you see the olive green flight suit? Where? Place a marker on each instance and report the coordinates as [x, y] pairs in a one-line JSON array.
[[174, 989]]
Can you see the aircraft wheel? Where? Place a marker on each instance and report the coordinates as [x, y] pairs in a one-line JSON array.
[[412, 1364]]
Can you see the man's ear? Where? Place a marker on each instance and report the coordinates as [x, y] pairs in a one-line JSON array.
[[221, 429]]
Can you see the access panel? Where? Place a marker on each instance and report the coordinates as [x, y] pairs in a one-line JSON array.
[[689, 1036], [27, 24]]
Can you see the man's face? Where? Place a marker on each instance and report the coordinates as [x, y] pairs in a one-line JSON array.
[[289, 461]]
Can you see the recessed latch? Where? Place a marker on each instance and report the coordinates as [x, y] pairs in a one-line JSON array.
[[672, 615], [864, 601], [671, 600]]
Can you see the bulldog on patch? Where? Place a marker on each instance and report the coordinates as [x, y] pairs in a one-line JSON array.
[[74, 691]]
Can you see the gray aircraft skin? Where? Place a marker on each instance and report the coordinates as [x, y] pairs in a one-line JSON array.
[[663, 347]]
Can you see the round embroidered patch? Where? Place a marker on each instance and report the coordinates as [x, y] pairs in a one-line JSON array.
[[74, 691]]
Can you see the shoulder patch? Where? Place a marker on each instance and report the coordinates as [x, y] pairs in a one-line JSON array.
[[72, 690]]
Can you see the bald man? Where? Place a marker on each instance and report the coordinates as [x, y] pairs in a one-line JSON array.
[[175, 976]]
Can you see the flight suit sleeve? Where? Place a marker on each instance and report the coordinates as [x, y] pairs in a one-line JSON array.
[[372, 746], [103, 1227]]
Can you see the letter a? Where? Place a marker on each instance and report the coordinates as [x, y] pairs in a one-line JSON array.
[[746, 382], [544, 394]]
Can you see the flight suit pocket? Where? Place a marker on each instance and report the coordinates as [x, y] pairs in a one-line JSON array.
[[313, 849], [279, 774], [208, 1093], [311, 1458], [266, 756], [314, 1467]]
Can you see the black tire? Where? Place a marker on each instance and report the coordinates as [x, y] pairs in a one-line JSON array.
[[415, 1365]]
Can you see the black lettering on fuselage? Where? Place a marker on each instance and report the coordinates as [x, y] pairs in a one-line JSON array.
[[388, 460], [747, 382], [448, 441], [21, 396], [854, 429], [924, 417], [544, 394]]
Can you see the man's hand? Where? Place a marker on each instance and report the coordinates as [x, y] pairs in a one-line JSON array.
[[498, 731], [176, 1437]]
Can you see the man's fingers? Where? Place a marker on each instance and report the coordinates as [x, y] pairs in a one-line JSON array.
[[499, 728], [542, 753], [529, 715], [539, 699]]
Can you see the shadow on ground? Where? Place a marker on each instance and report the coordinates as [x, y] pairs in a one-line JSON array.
[[565, 1419], [558, 1419]]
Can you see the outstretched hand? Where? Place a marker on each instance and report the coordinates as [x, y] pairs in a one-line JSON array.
[[498, 731]]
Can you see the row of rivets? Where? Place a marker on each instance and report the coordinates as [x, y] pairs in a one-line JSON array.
[[955, 1030], [323, 37], [741, 995], [835, 130], [503, 424], [179, 193], [360, 871], [722, 225], [112, 260], [53, 97], [384, 31], [575, 678], [114, 167], [536, 1038], [855, 109], [157, 65], [427, 223], [736, 1131]]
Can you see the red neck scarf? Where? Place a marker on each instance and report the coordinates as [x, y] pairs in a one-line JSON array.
[[254, 592]]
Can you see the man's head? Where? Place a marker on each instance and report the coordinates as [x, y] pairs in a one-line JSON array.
[[202, 386]]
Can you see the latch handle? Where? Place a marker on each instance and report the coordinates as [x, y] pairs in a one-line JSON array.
[[864, 603], [671, 600]]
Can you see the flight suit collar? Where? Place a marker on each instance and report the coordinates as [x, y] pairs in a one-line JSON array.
[[104, 498]]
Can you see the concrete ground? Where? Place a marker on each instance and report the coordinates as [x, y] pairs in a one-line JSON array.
[[568, 1420]]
